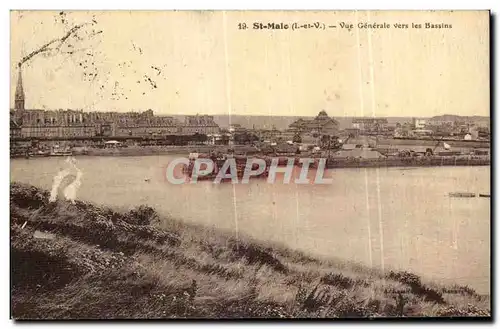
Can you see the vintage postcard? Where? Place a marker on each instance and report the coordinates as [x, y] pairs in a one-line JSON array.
[[250, 164]]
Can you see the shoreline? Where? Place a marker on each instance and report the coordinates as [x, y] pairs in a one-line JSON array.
[[60, 249], [332, 162], [434, 161]]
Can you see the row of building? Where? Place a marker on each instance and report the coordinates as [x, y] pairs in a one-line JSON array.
[[50, 124], [75, 124], [79, 124], [439, 127], [442, 126]]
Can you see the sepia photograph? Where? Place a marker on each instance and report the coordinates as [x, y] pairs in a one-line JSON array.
[[248, 164]]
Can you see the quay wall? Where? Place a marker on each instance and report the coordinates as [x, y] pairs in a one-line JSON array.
[[434, 161]]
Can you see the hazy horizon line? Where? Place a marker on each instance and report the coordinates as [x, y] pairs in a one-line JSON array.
[[260, 115]]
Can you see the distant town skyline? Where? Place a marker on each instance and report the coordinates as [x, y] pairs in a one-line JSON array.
[[200, 62]]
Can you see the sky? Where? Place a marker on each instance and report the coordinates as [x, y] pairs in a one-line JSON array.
[[189, 62]]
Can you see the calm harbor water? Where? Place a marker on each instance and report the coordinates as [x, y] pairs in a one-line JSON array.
[[397, 218]]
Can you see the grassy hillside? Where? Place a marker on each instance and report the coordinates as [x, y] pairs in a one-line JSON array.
[[83, 261]]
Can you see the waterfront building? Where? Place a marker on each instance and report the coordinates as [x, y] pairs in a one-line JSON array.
[[146, 124], [353, 132], [70, 123], [371, 125], [201, 124], [237, 128], [73, 123], [57, 131], [419, 123], [421, 133], [15, 129], [403, 130], [483, 133], [442, 120], [322, 124], [358, 153]]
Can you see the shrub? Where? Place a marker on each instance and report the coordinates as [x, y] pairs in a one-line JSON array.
[[417, 287], [338, 280], [255, 254], [142, 215], [25, 196]]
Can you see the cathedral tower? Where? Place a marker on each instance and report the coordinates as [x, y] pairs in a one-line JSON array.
[[19, 96]]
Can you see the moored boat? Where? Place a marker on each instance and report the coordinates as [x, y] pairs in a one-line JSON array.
[[462, 195], [39, 153], [218, 162], [60, 153], [57, 151]]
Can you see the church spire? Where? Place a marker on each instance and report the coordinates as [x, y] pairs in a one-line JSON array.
[[19, 96]]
